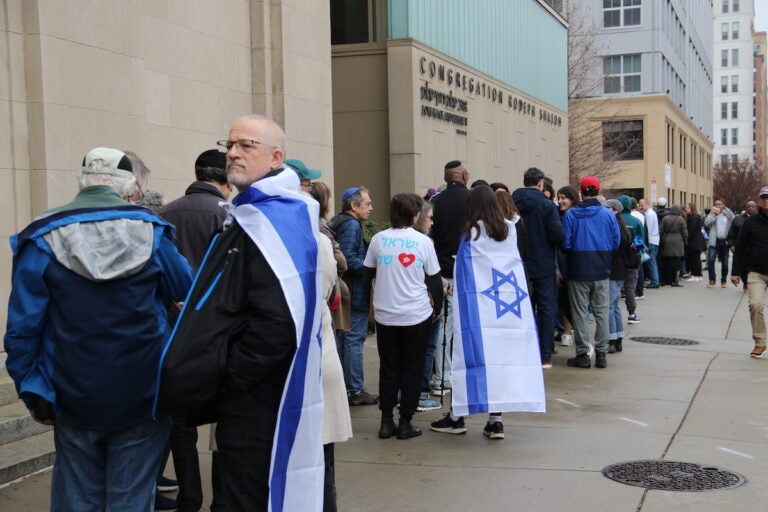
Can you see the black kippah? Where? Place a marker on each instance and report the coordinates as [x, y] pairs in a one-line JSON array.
[[212, 158], [453, 164]]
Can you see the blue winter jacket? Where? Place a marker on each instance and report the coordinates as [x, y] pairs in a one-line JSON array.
[[591, 235], [545, 233], [349, 235], [86, 318]]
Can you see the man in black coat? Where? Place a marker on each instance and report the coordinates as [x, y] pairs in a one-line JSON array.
[[197, 216], [448, 216], [545, 233], [751, 258]]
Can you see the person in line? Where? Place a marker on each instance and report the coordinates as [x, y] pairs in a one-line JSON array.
[[638, 241], [407, 298], [246, 349], [695, 244], [567, 198], [86, 324], [751, 256], [622, 259], [733, 233], [356, 206], [448, 216], [591, 235], [718, 223], [674, 235], [496, 367], [652, 229], [545, 233]]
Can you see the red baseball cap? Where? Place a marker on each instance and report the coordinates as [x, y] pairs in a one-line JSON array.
[[590, 181]]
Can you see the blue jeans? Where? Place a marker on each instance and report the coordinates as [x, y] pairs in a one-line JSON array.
[[351, 350], [615, 325], [653, 269], [719, 251], [543, 299], [115, 471], [429, 357]]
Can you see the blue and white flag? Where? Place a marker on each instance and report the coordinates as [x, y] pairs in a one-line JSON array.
[[283, 223], [496, 363]]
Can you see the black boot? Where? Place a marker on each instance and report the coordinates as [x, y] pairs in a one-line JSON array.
[[405, 430], [618, 345], [387, 428], [580, 361], [611, 347], [600, 360]]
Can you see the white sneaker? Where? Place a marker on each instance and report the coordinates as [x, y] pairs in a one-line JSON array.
[[566, 340]]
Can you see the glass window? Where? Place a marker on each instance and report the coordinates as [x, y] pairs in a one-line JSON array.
[[723, 84], [724, 159], [724, 31], [734, 160], [623, 140], [724, 111], [724, 58], [735, 5], [735, 57], [724, 137], [734, 110], [735, 30], [349, 21], [621, 73], [734, 83], [725, 5], [621, 13], [735, 136]]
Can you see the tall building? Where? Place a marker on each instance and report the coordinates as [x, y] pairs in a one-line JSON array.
[[417, 83], [760, 101], [733, 116], [645, 117]]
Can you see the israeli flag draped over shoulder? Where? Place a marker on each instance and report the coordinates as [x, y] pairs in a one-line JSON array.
[[496, 363], [283, 223]]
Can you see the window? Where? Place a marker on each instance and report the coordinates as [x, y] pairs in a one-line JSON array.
[[723, 84], [724, 137], [724, 58], [724, 159], [724, 111], [735, 57], [735, 83], [725, 5], [734, 160], [724, 31], [735, 6], [358, 21], [622, 140], [621, 73], [734, 136], [734, 110], [621, 13], [735, 30]]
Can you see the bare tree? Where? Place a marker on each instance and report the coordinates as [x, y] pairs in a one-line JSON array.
[[587, 111], [737, 183]]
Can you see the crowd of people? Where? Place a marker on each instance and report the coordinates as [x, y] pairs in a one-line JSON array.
[[112, 340]]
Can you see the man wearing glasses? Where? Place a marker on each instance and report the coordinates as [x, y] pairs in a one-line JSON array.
[[245, 351], [751, 258]]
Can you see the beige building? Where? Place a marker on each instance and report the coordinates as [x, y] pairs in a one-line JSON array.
[[645, 146], [164, 78]]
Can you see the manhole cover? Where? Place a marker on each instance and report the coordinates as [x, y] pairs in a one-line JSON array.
[[658, 340], [673, 476]]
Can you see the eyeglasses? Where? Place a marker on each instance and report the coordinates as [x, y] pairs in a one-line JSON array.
[[764, 198], [244, 144]]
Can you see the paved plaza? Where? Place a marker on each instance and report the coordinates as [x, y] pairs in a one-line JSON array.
[[701, 403]]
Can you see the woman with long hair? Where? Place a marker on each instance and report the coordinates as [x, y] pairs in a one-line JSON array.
[[496, 363], [407, 274], [567, 198]]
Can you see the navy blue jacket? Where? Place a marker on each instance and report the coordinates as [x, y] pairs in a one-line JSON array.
[[349, 235], [591, 235], [545, 233], [86, 315]]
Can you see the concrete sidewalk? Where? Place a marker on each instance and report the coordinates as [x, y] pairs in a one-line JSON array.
[[702, 403]]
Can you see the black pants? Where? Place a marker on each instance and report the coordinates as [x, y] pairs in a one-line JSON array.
[[244, 438], [401, 364], [187, 465], [669, 268], [693, 261], [329, 487]]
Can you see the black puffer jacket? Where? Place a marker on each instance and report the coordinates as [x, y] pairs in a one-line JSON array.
[[751, 253]]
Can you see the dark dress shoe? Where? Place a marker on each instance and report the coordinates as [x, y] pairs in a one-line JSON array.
[[406, 431], [164, 502]]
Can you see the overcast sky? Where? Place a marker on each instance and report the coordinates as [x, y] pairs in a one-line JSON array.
[[761, 15]]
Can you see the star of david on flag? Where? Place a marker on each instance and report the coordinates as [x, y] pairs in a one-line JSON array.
[[494, 293]]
